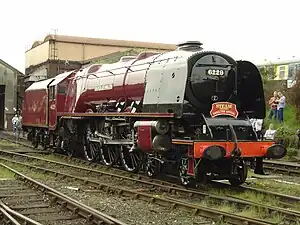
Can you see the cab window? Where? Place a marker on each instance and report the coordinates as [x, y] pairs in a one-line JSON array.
[[61, 88], [52, 92]]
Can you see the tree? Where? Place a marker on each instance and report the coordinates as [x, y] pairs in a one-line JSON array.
[[294, 96], [267, 72]]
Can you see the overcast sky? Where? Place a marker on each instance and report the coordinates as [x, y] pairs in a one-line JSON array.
[[253, 30]]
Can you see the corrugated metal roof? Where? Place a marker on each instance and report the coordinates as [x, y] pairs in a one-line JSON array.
[[40, 85]]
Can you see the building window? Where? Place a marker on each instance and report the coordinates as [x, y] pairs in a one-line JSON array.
[[281, 72]]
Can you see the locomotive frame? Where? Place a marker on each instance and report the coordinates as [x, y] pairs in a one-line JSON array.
[[196, 129]]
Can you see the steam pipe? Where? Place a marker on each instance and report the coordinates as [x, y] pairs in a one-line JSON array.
[[235, 147], [208, 127]]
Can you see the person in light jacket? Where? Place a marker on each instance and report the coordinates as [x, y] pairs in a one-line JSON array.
[[280, 106], [14, 122]]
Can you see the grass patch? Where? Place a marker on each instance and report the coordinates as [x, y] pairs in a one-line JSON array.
[[8, 145], [263, 214], [247, 195], [54, 158], [226, 207], [250, 212], [278, 187], [6, 174], [283, 188], [289, 119], [28, 172]]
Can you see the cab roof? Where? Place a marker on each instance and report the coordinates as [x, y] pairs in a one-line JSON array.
[[42, 85]]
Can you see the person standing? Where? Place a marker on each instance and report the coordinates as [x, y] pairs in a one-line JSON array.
[[280, 106], [14, 122], [20, 125], [273, 102]]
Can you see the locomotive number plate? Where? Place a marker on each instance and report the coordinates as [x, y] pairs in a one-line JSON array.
[[215, 72]]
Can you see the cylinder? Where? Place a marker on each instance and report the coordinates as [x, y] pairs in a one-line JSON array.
[[161, 143], [159, 126]]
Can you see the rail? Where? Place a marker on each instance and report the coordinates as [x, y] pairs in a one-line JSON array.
[[92, 215], [12, 213], [175, 203], [289, 168], [162, 185]]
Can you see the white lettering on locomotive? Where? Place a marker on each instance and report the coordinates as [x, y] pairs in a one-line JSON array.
[[104, 87], [215, 72]]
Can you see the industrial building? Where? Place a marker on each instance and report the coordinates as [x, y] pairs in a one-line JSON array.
[[59, 53], [11, 93]]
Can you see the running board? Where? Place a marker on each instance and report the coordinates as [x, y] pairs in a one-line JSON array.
[[112, 142]]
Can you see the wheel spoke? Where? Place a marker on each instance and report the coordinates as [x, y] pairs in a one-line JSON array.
[[90, 151], [242, 172], [186, 180], [133, 160], [130, 159], [108, 155]]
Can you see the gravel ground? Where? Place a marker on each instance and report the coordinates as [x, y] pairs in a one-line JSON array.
[[154, 191], [130, 211], [37, 199], [145, 189], [125, 209]]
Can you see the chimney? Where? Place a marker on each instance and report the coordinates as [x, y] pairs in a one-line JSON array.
[[190, 46]]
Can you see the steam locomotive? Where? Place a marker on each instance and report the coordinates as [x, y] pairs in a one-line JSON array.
[[184, 113]]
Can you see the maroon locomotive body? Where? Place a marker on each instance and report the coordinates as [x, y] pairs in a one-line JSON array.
[[184, 112], [44, 100], [100, 84], [35, 110]]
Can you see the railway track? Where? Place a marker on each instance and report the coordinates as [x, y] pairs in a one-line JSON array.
[[27, 201], [143, 194], [289, 215], [285, 199], [288, 168]]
